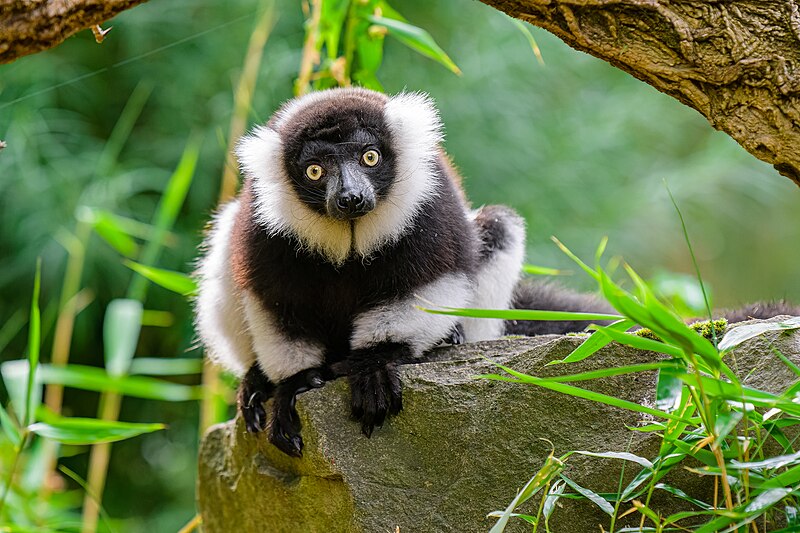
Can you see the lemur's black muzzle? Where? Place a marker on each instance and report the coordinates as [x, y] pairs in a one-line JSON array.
[[355, 196]]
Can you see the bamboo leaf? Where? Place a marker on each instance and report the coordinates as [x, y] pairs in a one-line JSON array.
[[593, 344], [10, 427], [178, 282], [591, 496], [417, 39], [121, 327], [34, 344], [520, 314], [80, 431], [544, 271], [625, 456], [668, 390], [739, 334], [96, 379]]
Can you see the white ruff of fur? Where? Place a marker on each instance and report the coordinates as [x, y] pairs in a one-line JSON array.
[[278, 356], [277, 207], [401, 321], [494, 282], [220, 318], [416, 135]]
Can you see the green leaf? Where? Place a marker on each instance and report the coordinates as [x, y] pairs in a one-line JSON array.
[[330, 24], [588, 395], [121, 327], [682, 495], [625, 456], [551, 468], [166, 366], [90, 430], [96, 379], [544, 271], [178, 282], [417, 39], [738, 334], [520, 314], [556, 490], [166, 213], [15, 377], [529, 37], [668, 390], [107, 228], [10, 427], [641, 343], [34, 344], [591, 496], [772, 463], [725, 423], [593, 344]]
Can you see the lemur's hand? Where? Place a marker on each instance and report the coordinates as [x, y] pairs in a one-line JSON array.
[[374, 396]]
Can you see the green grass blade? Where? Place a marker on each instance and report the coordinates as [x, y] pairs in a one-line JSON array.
[[81, 431], [589, 395], [530, 38], [551, 468], [641, 343], [107, 228], [593, 344], [736, 335], [121, 327], [96, 379], [520, 314], [611, 372], [10, 427], [536, 270], [590, 495], [694, 262], [166, 366], [178, 282], [625, 456], [669, 389], [167, 212], [586, 268], [417, 39], [34, 344]]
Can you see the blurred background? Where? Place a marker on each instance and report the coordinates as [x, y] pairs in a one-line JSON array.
[[580, 149]]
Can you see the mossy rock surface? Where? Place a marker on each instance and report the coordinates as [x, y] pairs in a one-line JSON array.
[[461, 448]]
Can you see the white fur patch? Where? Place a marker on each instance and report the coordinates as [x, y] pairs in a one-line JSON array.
[[494, 283], [278, 356], [416, 137], [220, 318], [277, 207], [401, 321]]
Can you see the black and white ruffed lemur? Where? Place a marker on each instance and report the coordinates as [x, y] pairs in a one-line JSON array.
[[350, 215]]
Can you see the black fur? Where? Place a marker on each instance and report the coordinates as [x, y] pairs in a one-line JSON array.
[[546, 296]]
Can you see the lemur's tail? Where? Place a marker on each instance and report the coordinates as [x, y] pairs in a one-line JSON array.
[[548, 296]]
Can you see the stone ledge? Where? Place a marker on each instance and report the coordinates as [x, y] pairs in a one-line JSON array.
[[461, 448]]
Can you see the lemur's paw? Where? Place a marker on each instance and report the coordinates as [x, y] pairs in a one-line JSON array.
[[284, 431], [456, 336], [375, 396], [254, 391], [252, 408]]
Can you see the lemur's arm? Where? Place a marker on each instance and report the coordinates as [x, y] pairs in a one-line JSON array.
[[391, 333]]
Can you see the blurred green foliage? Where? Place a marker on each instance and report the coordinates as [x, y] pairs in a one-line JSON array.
[[578, 147]]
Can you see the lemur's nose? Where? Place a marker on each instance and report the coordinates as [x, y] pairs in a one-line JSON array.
[[351, 202]]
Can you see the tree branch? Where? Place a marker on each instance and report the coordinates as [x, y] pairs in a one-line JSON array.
[[30, 26], [734, 61]]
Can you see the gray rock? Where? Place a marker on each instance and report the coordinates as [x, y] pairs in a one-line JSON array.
[[461, 448]]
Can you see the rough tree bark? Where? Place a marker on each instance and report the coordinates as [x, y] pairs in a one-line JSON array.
[[735, 61], [30, 26]]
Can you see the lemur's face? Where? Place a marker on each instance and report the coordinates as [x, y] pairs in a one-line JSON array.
[[339, 158], [343, 171]]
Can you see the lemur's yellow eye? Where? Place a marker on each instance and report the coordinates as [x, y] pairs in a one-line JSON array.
[[371, 158], [314, 172]]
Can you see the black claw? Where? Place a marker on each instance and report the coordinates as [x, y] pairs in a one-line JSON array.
[[316, 382], [285, 427], [254, 390], [375, 396]]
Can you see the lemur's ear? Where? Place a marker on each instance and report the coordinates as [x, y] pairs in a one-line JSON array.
[[415, 125]]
